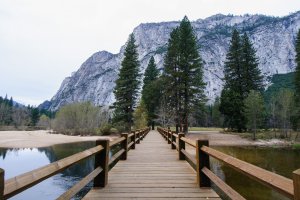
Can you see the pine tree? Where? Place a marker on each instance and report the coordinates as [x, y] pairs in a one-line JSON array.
[[232, 95], [171, 78], [254, 110], [151, 73], [127, 86], [151, 90], [241, 76], [297, 75], [183, 73], [252, 78], [190, 64]]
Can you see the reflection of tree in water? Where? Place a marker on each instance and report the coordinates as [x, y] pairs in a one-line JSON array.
[[67, 178], [4, 151], [61, 151]]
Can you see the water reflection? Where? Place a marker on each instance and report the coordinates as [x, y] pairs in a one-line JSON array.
[[280, 161], [18, 161]]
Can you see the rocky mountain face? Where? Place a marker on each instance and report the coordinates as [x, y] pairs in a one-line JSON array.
[[273, 38]]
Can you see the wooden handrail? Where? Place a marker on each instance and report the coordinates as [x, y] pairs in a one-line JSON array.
[[77, 187], [226, 189], [189, 141], [287, 187], [20, 183], [116, 141], [275, 181]]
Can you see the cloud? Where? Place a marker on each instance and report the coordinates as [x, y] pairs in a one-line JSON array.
[[42, 42]]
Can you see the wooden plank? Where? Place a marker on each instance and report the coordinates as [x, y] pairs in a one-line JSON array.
[[272, 180], [189, 141], [101, 195], [152, 171], [191, 159], [81, 184], [230, 192], [17, 184], [116, 141], [116, 156], [296, 182]]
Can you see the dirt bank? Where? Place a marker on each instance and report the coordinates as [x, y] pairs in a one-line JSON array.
[[219, 139], [42, 138]]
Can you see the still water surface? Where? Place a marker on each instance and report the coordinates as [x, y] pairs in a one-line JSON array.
[[18, 161], [282, 161]]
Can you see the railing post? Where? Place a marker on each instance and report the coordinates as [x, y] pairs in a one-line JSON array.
[[101, 159], [173, 139], [133, 146], [138, 136], [169, 136], [1, 184], [296, 181], [181, 145], [124, 146], [202, 161]]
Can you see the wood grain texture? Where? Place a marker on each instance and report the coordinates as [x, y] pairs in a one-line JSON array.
[[231, 193], [78, 186], [152, 171], [19, 183], [296, 181], [270, 179]]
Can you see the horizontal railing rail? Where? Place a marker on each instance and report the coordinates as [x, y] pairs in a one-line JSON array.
[[103, 164], [200, 162]]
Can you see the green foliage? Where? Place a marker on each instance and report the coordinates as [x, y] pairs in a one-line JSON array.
[[140, 116], [105, 129], [127, 86], [183, 73], [241, 76], [151, 90], [78, 118], [254, 110], [279, 81], [44, 121], [297, 76]]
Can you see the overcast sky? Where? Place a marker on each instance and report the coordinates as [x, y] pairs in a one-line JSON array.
[[44, 41]]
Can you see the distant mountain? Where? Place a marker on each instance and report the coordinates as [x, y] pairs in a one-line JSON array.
[[273, 38]]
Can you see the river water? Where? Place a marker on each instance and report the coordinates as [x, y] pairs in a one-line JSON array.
[[18, 161]]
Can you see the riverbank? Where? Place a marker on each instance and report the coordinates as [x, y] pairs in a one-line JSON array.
[[41, 138], [217, 138]]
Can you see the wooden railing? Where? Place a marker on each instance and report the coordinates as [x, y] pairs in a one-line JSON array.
[[103, 164], [200, 162]]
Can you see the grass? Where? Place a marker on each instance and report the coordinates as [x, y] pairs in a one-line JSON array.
[[296, 146], [201, 129]]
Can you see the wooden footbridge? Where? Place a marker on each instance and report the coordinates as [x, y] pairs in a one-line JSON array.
[[154, 170]]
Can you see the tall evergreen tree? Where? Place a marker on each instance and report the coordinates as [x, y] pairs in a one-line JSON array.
[[183, 70], [232, 95], [241, 76], [252, 77], [190, 65], [127, 86], [171, 78], [297, 76], [151, 73], [151, 90]]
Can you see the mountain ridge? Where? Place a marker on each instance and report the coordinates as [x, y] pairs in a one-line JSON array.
[[273, 38]]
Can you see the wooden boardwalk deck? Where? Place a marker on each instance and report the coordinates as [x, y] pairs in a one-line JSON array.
[[152, 171]]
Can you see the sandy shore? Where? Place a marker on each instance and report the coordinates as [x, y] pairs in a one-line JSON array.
[[219, 139], [42, 138]]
